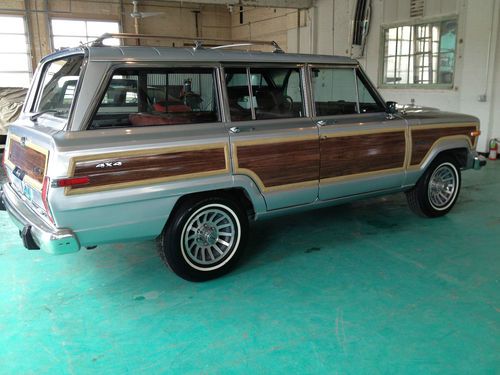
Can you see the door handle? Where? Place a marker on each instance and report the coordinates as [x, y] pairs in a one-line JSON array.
[[234, 129], [321, 123], [323, 137]]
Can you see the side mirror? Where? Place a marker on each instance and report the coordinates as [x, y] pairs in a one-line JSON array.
[[391, 107]]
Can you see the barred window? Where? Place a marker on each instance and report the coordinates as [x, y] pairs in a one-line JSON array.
[[421, 55]]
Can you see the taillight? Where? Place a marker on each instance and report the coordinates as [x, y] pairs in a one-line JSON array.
[[45, 193], [72, 181]]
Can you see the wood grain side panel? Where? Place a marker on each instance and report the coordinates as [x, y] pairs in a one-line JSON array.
[[281, 163], [138, 168], [423, 139], [30, 161], [349, 155]]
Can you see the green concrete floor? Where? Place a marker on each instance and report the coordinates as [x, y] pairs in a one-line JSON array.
[[362, 288]]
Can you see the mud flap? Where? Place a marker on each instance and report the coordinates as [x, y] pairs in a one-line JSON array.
[[28, 241]]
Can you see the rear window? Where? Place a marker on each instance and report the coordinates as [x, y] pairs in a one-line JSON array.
[[58, 86]]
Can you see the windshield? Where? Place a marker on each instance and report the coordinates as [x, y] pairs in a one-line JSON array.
[[58, 85]]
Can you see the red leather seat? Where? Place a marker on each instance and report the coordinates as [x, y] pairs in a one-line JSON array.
[[148, 119], [175, 107]]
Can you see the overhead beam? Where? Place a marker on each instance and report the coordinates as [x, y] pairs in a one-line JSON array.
[[293, 4]]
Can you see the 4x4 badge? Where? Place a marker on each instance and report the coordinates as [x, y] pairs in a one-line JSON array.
[[109, 164]]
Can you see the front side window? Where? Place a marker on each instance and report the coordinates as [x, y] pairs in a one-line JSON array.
[[14, 53], [334, 91], [420, 55], [58, 85], [342, 91], [145, 97], [273, 93]]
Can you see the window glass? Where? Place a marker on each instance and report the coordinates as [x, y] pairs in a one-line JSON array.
[[238, 94], [14, 53], [334, 91], [240, 79], [271, 99], [367, 100], [138, 97], [58, 85], [293, 86], [420, 54], [70, 33]]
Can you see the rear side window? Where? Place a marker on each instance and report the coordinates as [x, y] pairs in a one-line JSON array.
[[150, 97], [264, 93], [58, 85]]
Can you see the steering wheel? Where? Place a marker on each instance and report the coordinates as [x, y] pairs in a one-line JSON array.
[[287, 104]]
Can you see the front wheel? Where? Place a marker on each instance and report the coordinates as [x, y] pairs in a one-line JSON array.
[[204, 238], [437, 190]]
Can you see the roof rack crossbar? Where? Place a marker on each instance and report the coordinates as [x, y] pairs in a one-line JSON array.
[[198, 42]]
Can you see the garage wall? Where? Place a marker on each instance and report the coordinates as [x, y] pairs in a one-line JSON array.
[[325, 28], [265, 23], [478, 58], [177, 19]]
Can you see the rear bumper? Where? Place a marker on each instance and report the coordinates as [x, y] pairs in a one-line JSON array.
[[35, 232]]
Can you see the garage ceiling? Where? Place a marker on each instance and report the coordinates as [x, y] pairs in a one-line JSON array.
[[294, 4]]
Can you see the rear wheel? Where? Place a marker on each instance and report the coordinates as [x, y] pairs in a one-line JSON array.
[[437, 190], [204, 238]]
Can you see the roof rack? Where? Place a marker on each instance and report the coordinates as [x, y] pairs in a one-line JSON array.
[[198, 42]]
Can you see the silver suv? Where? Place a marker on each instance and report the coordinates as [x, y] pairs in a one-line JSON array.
[[189, 145]]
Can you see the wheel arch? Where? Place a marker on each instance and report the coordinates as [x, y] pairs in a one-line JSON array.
[[458, 149], [249, 200], [455, 147]]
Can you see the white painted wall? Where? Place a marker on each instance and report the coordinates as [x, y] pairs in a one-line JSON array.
[[477, 72]]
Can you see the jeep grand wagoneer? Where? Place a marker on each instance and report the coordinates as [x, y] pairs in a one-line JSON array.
[[187, 145]]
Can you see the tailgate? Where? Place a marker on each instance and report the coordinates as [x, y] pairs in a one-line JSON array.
[[26, 161]]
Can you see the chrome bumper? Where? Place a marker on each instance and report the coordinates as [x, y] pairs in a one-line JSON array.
[[479, 162], [34, 231]]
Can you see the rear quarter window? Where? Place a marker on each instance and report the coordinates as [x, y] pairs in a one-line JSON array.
[[153, 97]]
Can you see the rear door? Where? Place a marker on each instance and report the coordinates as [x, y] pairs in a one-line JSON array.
[[273, 142], [363, 149]]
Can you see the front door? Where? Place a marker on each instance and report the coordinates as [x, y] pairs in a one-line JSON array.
[[273, 142], [362, 148]]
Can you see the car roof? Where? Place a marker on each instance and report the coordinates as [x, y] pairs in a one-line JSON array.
[[145, 53]]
